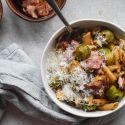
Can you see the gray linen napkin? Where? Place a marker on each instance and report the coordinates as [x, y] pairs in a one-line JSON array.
[[21, 85]]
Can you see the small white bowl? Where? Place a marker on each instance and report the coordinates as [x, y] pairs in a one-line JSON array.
[[90, 23]]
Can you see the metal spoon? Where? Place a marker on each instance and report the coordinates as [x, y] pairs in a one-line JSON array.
[[55, 7]]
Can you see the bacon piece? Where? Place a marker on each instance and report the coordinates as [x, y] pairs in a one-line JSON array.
[[98, 88], [97, 82], [31, 10], [36, 8], [94, 62], [94, 85], [43, 9], [25, 3]]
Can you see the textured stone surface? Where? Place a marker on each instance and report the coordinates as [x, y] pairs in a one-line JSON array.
[[34, 36]]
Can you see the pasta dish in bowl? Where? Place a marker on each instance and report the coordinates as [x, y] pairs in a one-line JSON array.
[[86, 74]]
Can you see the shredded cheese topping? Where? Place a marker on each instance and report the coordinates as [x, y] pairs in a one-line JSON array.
[[78, 76]]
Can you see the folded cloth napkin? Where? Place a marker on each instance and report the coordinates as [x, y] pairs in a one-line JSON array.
[[21, 85]]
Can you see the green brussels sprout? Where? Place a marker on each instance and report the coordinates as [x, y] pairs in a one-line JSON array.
[[110, 58], [107, 53], [108, 35], [83, 51], [104, 50], [56, 83], [89, 107], [114, 94]]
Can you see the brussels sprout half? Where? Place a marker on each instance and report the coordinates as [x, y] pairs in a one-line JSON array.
[[108, 35], [82, 52], [114, 94], [107, 53]]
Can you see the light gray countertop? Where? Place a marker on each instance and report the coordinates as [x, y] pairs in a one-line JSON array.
[[32, 37]]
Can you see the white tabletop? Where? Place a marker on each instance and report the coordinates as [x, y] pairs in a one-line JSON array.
[[33, 37]]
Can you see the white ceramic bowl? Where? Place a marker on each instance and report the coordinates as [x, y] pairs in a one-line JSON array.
[[51, 44]]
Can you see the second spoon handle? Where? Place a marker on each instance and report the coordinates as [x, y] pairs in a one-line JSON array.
[[55, 7]]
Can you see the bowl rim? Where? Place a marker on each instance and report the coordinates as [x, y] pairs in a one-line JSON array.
[[47, 45], [28, 18]]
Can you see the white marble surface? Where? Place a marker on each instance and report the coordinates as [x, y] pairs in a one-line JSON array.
[[34, 36]]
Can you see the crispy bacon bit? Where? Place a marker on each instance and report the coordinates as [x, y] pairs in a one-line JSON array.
[[31, 11], [94, 85], [98, 88], [97, 82], [36, 8], [94, 62]]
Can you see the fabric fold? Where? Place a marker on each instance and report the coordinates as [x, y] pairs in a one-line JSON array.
[[19, 77]]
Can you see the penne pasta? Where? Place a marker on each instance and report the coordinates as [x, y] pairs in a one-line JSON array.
[[121, 73], [98, 102], [87, 38], [109, 74], [109, 106], [114, 67], [99, 78], [122, 56], [73, 65], [117, 55], [59, 94]]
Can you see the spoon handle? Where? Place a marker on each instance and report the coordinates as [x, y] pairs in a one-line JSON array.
[[55, 7]]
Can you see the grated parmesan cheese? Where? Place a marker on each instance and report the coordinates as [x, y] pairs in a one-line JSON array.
[[100, 40], [78, 76]]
